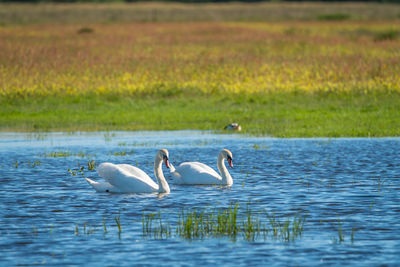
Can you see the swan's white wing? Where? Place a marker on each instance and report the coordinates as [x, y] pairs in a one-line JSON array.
[[196, 173], [103, 187], [136, 172], [127, 179], [204, 168]]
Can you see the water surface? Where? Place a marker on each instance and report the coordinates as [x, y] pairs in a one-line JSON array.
[[347, 184]]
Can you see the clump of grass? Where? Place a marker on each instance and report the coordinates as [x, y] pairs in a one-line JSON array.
[[85, 30], [251, 226], [333, 17], [64, 154], [298, 225], [224, 222], [147, 221], [91, 165], [28, 164], [263, 147], [76, 172], [58, 154], [199, 224], [388, 35], [275, 225], [161, 230], [34, 164], [87, 229], [123, 153]]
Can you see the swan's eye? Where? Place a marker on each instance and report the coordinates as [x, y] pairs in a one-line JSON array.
[[165, 157]]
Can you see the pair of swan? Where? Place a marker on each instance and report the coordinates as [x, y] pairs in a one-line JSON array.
[[124, 178]]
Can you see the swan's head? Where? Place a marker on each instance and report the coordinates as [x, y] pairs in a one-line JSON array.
[[226, 154], [164, 156]]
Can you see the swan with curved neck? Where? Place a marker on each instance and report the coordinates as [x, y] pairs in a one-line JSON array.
[[124, 178], [196, 173]]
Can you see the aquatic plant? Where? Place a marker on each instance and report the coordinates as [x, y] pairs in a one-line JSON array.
[[340, 231], [223, 222], [161, 229], [75, 172], [123, 153], [118, 222], [76, 231], [57, 154], [64, 154], [91, 165], [104, 225]]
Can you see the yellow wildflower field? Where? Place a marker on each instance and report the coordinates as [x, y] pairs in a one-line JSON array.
[[173, 58]]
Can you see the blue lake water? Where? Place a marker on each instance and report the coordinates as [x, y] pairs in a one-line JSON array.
[[347, 189]]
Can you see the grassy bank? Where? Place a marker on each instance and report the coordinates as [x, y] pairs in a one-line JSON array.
[[325, 74], [281, 115]]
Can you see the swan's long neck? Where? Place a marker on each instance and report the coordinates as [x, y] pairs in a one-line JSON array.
[[226, 177], [163, 186]]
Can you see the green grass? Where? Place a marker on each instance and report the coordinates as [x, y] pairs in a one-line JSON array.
[[232, 222], [275, 114], [58, 154]]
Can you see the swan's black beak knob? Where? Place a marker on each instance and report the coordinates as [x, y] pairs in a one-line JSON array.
[[165, 158], [229, 159]]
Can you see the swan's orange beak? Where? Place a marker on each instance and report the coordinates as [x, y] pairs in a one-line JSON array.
[[230, 162], [166, 162]]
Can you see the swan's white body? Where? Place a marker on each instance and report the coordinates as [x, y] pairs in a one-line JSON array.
[[196, 173], [124, 178]]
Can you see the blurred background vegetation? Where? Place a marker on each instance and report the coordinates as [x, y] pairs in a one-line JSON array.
[[285, 69], [35, 12]]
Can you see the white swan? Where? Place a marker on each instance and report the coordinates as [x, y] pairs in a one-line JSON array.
[[124, 178], [196, 173]]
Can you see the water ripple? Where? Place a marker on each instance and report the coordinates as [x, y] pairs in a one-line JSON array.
[[347, 189]]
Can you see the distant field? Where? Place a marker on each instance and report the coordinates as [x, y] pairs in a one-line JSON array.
[[325, 70], [199, 58], [167, 12]]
